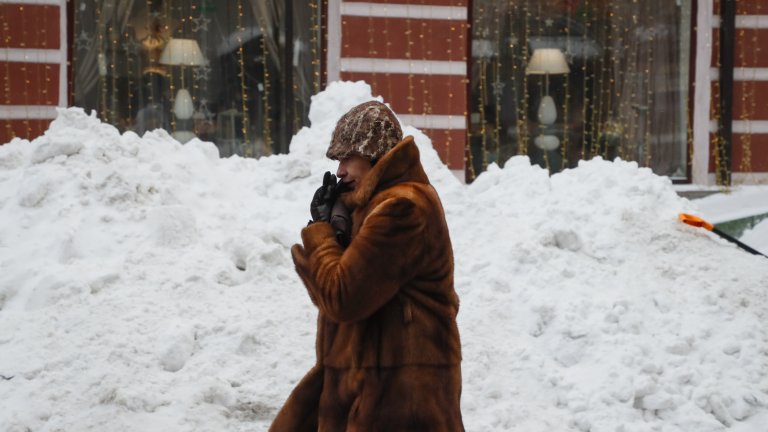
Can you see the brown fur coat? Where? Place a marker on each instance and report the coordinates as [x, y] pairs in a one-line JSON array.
[[388, 345]]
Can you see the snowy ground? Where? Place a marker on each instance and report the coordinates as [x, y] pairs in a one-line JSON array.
[[738, 203], [147, 286]]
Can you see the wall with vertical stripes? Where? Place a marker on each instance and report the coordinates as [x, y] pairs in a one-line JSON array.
[[749, 162], [33, 59], [414, 54]]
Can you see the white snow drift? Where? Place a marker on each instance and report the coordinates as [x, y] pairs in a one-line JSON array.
[[146, 285]]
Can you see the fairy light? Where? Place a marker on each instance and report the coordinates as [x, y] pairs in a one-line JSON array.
[[42, 90], [513, 12], [315, 47], [718, 146], [585, 81], [129, 66], [171, 82], [597, 91], [624, 103], [10, 132], [497, 89], [633, 97], [522, 127], [566, 87], [24, 70], [449, 139], [113, 35], [102, 77], [469, 158], [387, 56], [244, 88], [372, 52], [195, 83], [748, 101], [408, 55], [649, 90]]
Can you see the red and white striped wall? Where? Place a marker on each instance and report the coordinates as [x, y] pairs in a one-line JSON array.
[[750, 91], [33, 66], [414, 54]]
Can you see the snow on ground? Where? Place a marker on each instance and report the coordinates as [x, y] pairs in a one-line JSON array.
[[738, 203], [146, 285]]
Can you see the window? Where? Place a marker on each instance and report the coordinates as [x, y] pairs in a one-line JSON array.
[[564, 80], [237, 73]]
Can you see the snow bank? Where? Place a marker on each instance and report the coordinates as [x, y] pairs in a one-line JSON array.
[[146, 285]]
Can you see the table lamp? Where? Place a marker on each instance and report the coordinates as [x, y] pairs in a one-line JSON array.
[[182, 52], [547, 61]]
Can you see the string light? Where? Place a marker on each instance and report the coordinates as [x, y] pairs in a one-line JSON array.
[[42, 90], [315, 47], [522, 126], [566, 88], [718, 141], [748, 101], [112, 68], [585, 81], [497, 88], [649, 90], [127, 40], [372, 52], [408, 56], [10, 132], [24, 70], [243, 87]]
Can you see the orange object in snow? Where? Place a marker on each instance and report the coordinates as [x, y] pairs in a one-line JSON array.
[[696, 221], [701, 223]]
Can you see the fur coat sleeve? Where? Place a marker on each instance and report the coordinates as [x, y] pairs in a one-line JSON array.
[[382, 254]]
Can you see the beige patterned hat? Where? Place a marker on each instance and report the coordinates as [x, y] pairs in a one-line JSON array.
[[369, 130]]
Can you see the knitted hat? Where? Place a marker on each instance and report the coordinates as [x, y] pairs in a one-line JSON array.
[[369, 130]]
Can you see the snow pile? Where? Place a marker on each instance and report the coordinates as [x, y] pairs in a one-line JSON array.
[[757, 237], [146, 285]]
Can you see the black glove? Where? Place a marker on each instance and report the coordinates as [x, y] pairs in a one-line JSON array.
[[341, 222], [325, 196]]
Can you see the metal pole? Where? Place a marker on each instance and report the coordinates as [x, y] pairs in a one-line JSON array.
[[725, 128]]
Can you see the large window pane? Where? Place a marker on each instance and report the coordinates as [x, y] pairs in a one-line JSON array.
[[623, 91], [235, 72]]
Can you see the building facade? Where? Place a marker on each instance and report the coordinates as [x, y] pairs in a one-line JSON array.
[[674, 85]]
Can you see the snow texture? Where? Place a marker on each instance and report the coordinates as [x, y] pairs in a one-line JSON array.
[[147, 285]]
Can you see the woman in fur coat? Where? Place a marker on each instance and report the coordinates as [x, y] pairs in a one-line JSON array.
[[388, 349]]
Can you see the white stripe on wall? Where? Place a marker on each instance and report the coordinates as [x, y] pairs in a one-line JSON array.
[[744, 126], [702, 94], [405, 66], [745, 21], [404, 11], [21, 112], [26, 55], [751, 178], [334, 41], [742, 74], [32, 2], [428, 121]]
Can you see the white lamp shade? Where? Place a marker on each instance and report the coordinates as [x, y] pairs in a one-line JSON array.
[[183, 106], [547, 61], [182, 52], [547, 111]]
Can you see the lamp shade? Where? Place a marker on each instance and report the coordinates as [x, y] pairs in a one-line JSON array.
[[182, 52], [547, 61]]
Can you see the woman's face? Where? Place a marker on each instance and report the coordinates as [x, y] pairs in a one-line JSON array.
[[352, 170]]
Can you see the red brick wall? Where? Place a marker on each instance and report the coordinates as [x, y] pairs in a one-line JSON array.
[[420, 32], [750, 88], [31, 58]]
